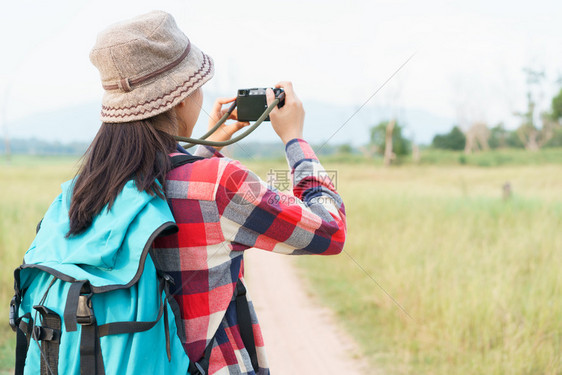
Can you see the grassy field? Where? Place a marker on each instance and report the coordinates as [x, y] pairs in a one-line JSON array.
[[440, 275], [479, 278], [494, 158], [448, 158], [29, 184]]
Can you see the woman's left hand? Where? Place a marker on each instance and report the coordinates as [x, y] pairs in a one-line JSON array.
[[225, 131]]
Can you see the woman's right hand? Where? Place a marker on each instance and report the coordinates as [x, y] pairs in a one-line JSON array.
[[287, 121]]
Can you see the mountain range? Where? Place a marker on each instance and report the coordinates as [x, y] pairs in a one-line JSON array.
[[324, 123]]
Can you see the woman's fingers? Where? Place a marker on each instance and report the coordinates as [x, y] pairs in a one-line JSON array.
[[235, 126], [287, 86], [287, 121], [270, 97], [219, 103], [230, 129], [241, 124], [217, 112], [232, 116]]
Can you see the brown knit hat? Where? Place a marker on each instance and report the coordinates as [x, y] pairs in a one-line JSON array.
[[147, 66]]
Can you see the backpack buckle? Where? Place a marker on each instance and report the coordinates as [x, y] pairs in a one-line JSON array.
[[200, 368], [240, 289], [84, 312], [45, 334], [168, 279], [14, 306]]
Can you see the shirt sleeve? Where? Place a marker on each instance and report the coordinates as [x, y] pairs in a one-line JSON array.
[[254, 214]]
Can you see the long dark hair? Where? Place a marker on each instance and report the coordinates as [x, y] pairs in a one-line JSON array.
[[120, 152]]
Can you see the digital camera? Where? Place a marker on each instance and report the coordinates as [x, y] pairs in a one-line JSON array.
[[252, 103]]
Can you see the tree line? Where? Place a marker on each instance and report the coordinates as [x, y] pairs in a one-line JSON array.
[[537, 129], [529, 135]]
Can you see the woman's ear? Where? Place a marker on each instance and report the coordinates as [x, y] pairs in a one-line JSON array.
[[181, 104]]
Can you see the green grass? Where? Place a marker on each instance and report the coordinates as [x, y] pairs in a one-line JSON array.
[[492, 158], [479, 276], [29, 184]]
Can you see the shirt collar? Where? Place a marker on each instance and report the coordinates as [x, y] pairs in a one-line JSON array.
[[182, 150]]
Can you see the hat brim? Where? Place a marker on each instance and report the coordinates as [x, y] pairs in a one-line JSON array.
[[161, 93]]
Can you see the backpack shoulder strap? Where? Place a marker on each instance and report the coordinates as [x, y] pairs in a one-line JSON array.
[[242, 310], [245, 323], [201, 367], [179, 160]]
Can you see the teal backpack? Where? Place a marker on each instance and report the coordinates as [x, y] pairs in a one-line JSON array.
[[95, 303]]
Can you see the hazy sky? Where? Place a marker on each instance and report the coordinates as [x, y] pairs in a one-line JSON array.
[[468, 57]]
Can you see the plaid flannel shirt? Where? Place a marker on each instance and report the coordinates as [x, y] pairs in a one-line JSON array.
[[221, 209]]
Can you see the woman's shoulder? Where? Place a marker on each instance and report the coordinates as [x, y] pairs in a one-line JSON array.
[[205, 170]]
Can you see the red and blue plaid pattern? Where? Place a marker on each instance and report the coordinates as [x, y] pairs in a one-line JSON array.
[[221, 209]]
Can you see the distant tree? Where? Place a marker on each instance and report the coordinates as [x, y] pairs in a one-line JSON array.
[[552, 122], [513, 140], [416, 153], [345, 149], [498, 136], [530, 133], [477, 137], [400, 145], [556, 107], [368, 151], [454, 140], [556, 140], [389, 155], [35, 146]]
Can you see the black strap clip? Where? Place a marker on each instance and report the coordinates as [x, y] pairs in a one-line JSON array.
[[52, 325], [46, 334], [84, 312], [14, 307]]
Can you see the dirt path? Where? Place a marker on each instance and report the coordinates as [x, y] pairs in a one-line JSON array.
[[300, 336]]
